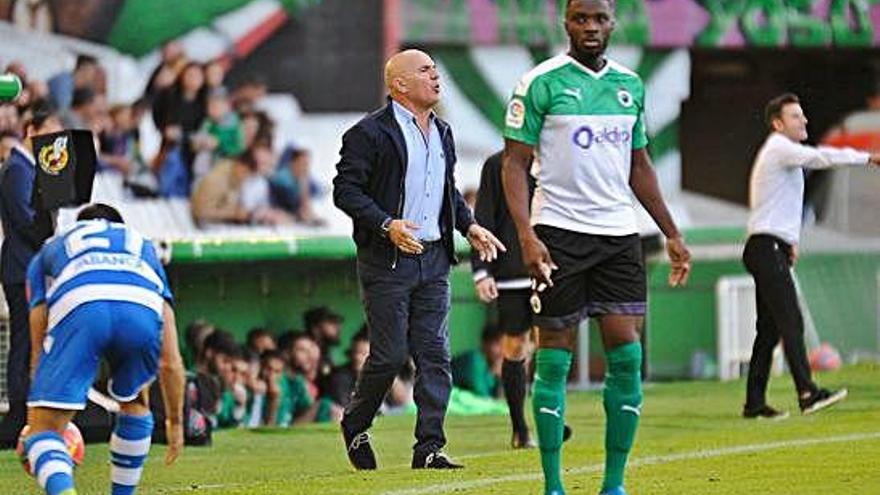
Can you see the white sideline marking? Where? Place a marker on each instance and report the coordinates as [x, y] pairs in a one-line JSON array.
[[644, 461]]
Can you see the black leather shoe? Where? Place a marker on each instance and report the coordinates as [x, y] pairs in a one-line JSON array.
[[434, 460], [764, 412], [359, 450]]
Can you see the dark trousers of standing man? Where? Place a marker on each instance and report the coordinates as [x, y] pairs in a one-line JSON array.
[[407, 314], [768, 259], [18, 365]]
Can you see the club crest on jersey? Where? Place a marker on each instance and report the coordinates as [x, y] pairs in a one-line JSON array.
[[53, 158], [625, 98], [516, 114]]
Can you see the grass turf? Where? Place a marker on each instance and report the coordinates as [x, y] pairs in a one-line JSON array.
[[691, 441]]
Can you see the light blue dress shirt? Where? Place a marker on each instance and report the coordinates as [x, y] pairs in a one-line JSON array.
[[425, 174]]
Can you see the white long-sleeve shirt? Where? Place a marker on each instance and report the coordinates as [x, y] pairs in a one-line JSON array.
[[776, 188]]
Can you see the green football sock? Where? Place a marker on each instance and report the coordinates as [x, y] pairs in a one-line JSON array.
[[548, 404], [623, 402]]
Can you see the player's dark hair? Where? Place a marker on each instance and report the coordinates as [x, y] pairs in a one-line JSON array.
[[773, 110], [96, 211]]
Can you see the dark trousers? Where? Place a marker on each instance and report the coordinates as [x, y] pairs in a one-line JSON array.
[[767, 258], [407, 314], [18, 365]]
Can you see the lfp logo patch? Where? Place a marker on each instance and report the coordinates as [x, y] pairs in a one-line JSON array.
[[516, 114], [54, 158]]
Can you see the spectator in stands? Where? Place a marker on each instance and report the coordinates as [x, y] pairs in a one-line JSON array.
[[184, 105], [306, 367], [293, 187], [479, 370], [183, 102], [288, 400], [215, 371], [24, 228], [305, 360], [248, 93], [83, 111], [63, 84], [256, 126], [120, 149], [223, 125], [215, 72], [216, 198], [284, 341], [256, 388], [233, 404], [255, 192], [173, 59], [272, 374], [260, 340], [169, 165], [343, 378], [324, 326], [194, 338], [101, 118]]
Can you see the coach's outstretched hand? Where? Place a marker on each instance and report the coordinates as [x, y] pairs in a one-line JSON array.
[[484, 242], [681, 261], [174, 435]]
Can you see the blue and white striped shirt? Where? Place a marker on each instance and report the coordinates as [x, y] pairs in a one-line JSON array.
[[96, 260]]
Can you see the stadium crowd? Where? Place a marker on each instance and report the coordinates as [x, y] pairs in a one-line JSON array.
[[219, 147], [276, 379]]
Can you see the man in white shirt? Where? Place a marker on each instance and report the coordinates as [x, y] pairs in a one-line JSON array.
[[776, 193]]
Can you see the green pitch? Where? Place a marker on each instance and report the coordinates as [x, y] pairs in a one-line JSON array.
[[691, 441]]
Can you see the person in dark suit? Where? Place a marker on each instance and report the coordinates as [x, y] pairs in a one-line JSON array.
[[395, 179], [25, 227]]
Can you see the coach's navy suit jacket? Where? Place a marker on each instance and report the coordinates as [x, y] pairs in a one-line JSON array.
[[24, 228], [369, 185]]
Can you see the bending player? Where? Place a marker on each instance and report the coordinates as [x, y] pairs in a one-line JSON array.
[[98, 290]]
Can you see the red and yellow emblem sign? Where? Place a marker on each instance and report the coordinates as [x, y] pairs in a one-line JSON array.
[[54, 158]]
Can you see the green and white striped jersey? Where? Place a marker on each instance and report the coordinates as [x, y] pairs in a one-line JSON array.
[[585, 125]]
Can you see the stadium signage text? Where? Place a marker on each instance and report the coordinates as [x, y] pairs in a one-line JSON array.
[[656, 23]]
